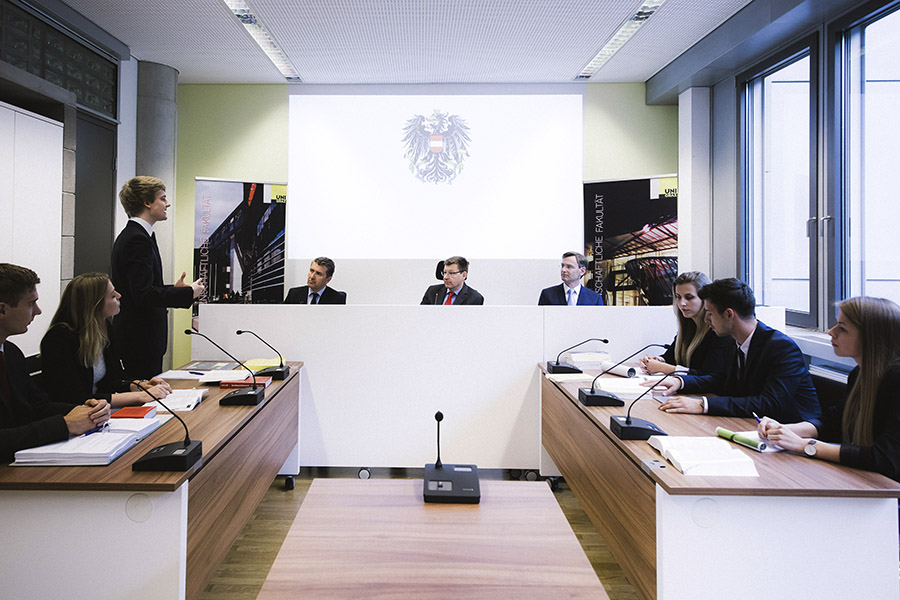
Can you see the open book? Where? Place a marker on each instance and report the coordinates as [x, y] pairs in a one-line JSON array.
[[181, 400], [100, 447], [710, 456]]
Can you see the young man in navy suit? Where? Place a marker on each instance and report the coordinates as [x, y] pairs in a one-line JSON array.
[[765, 371], [141, 327], [27, 418], [570, 291], [316, 290]]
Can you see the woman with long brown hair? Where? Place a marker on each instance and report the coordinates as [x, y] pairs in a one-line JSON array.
[[695, 346], [867, 436], [78, 360]]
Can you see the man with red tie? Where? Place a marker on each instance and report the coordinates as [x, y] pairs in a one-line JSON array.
[[27, 419], [141, 328], [454, 290]]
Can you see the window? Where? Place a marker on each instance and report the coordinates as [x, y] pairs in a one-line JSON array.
[[778, 107], [871, 129]]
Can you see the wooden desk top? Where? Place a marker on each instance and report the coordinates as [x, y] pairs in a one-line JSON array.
[[780, 473], [210, 423], [378, 538]]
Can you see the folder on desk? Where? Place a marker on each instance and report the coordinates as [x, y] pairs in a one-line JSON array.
[[95, 449]]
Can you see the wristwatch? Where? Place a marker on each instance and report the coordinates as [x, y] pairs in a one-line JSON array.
[[810, 448]]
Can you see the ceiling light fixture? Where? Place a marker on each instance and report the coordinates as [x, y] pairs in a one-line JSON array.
[[263, 38], [628, 29]]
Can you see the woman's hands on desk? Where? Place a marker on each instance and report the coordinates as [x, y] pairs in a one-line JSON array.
[[654, 364]]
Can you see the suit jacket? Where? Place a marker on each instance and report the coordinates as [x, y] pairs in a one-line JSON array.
[[883, 456], [556, 296], [467, 295], [64, 377], [141, 327], [708, 356], [776, 381], [299, 295], [27, 418]]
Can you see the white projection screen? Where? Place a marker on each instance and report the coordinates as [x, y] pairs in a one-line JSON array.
[[492, 176]]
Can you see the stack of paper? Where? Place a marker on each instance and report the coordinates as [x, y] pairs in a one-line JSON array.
[[96, 448], [181, 400], [711, 456]]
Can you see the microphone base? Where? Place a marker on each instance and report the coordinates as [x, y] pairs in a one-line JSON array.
[[243, 397], [451, 484], [561, 367], [596, 397], [170, 457], [276, 373], [635, 429]]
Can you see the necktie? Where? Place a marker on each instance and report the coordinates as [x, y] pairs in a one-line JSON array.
[[315, 298], [740, 359], [571, 301], [449, 299]]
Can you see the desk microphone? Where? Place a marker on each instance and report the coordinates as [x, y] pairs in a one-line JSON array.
[[593, 397], [277, 373], [626, 428], [554, 366], [456, 484], [241, 396], [177, 456]]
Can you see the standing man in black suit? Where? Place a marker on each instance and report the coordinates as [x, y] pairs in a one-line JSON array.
[[141, 327], [27, 419], [570, 292], [454, 290], [316, 290], [765, 371]]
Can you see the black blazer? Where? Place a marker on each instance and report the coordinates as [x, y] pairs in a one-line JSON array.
[[708, 356], [27, 418], [299, 295], [65, 379], [883, 456], [467, 295], [776, 381], [141, 327], [556, 296]]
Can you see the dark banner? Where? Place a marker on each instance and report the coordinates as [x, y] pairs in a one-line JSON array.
[[239, 241], [631, 240]]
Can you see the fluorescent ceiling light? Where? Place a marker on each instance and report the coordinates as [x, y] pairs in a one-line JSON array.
[[263, 38], [628, 29]]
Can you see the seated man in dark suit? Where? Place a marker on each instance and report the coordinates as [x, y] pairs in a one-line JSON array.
[[570, 292], [765, 372], [454, 290], [27, 419], [316, 290]]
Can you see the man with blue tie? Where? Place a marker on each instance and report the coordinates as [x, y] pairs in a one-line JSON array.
[[570, 291]]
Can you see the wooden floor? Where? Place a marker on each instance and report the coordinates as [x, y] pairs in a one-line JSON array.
[[241, 575]]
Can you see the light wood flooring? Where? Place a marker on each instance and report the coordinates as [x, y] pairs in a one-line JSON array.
[[242, 573]]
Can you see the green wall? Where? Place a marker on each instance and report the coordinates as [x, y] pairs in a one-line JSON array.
[[241, 132]]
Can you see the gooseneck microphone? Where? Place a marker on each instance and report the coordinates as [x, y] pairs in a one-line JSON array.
[[242, 396], [438, 416], [176, 456], [594, 397], [277, 373], [627, 428], [554, 366]]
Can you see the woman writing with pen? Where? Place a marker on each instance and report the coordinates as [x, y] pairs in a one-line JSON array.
[[867, 436], [78, 360]]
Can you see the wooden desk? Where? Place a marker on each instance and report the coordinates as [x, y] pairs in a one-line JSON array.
[[378, 538], [803, 528], [109, 532]]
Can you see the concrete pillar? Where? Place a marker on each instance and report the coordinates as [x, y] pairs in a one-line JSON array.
[[155, 154], [694, 182]]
